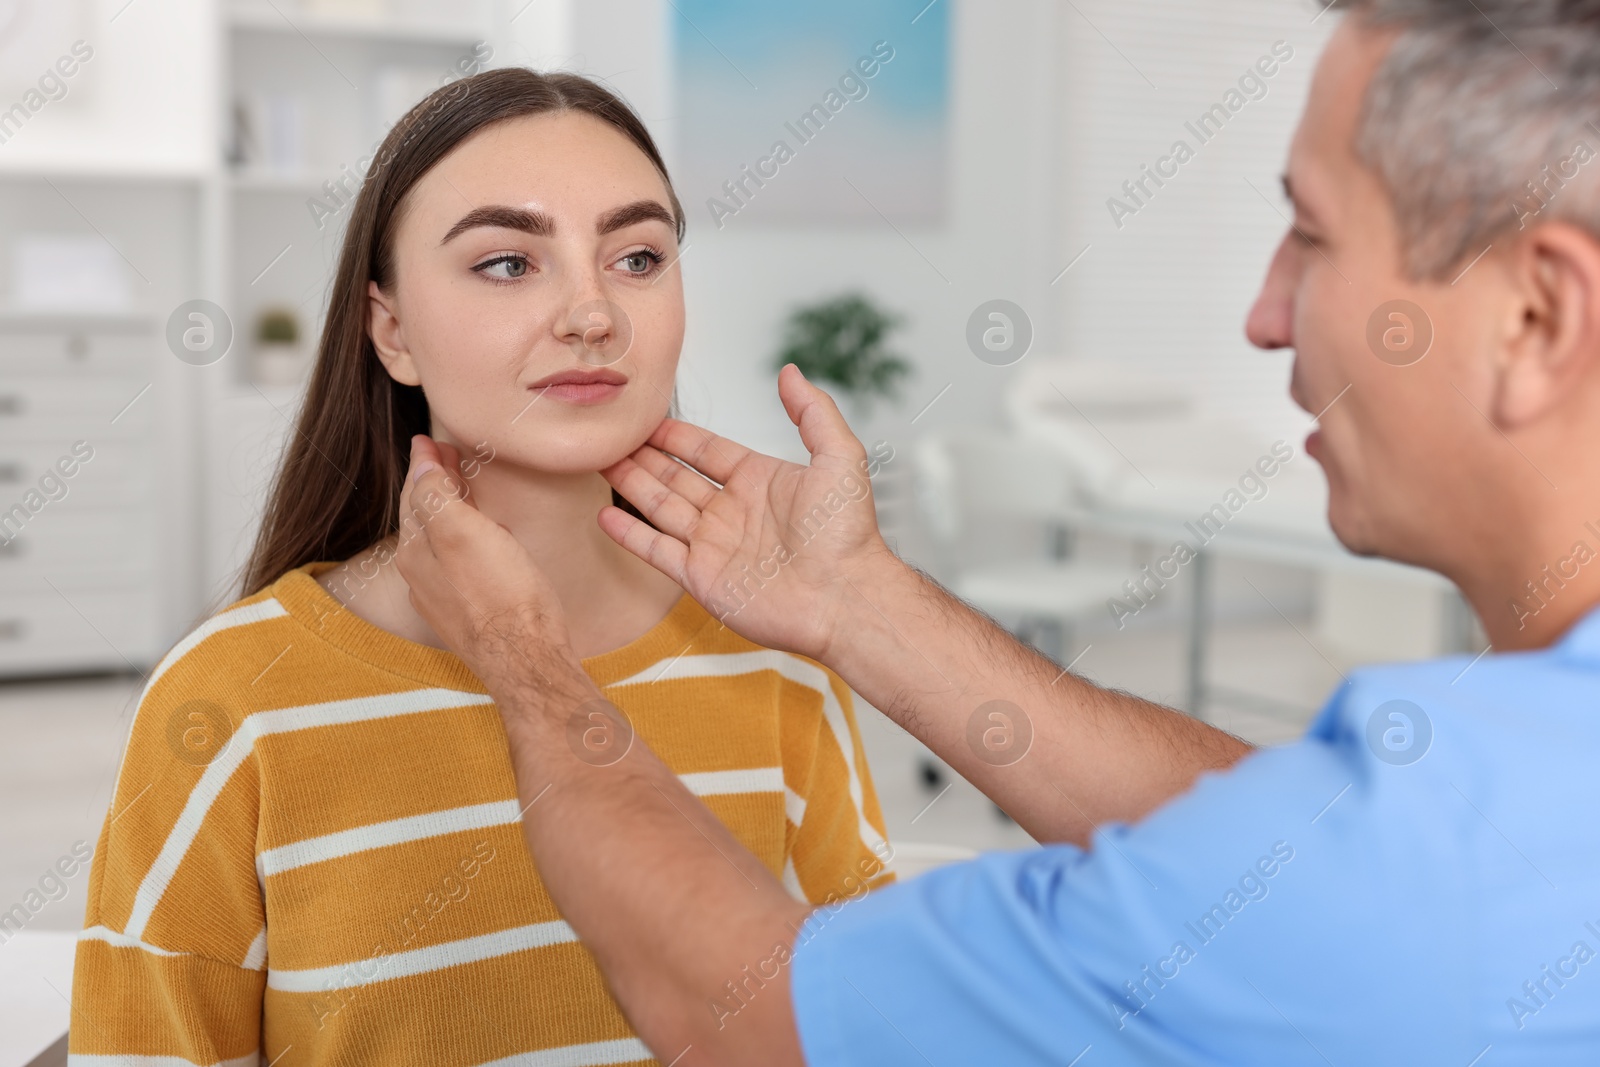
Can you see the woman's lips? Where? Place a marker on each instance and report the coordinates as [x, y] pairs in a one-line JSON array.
[[578, 387]]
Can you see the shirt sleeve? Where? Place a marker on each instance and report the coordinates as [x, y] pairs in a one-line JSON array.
[[171, 963], [1168, 942], [837, 847]]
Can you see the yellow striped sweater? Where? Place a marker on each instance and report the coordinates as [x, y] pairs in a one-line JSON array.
[[313, 855]]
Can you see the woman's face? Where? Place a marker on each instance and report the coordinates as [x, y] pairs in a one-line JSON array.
[[533, 300]]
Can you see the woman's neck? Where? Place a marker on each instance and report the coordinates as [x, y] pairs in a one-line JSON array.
[[609, 596]]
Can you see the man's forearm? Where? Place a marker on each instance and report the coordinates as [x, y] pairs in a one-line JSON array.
[[670, 903], [1060, 754]]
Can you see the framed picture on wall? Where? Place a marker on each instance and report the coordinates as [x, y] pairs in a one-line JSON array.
[[833, 111]]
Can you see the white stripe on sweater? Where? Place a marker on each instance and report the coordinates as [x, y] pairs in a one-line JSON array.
[[111, 937], [260, 611], [477, 817], [416, 961], [378, 835], [220, 769], [594, 1054], [79, 1059], [721, 783], [223, 620], [730, 664], [255, 957], [794, 807]]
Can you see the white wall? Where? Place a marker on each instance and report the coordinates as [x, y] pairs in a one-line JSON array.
[[998, 239], [1169, 290], [143, 104], [1054, 107]]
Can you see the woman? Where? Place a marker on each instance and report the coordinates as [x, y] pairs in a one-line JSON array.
[[313, 853]]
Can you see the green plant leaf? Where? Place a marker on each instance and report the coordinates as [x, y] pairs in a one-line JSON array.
[[840, 342]]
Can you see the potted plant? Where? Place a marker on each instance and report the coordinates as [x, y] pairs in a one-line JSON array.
[[279, 357], [840, 344]]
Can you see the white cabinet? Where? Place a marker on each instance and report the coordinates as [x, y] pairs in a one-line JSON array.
[[79, 512], [149, 536]]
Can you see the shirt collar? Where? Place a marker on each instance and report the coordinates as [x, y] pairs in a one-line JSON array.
[[1582, 641]]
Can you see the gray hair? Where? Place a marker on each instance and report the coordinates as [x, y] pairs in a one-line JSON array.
[[1481, 120]]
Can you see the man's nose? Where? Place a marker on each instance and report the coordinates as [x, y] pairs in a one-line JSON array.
[[1270, 323]]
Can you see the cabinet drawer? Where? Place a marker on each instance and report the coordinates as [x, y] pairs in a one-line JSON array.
[[42, 632], [75, 351], [67, 545], [48, 408], [117, 474]]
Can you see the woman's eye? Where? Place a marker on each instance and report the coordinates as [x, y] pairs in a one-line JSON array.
[[503, 268], [643, 261]]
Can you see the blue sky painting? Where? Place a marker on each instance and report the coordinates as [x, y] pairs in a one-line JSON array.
[[829, 111]]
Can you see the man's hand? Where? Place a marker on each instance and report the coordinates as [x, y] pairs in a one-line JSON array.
[[790, 557], [477, 586], [667, 944], [757, 521]]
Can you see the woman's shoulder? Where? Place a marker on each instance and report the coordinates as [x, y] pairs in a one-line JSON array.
[[232, 647], [201, 689], [246, 617]]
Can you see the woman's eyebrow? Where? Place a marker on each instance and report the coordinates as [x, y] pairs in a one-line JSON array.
[[509, 218], [628, 214]]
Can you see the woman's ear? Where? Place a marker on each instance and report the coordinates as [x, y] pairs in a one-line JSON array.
[[383, 324], [1552, 340]]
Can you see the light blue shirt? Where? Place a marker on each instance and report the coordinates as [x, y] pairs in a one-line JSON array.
[[1416, 881]]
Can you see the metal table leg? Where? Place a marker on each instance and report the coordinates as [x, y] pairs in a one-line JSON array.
[[1199, 615]]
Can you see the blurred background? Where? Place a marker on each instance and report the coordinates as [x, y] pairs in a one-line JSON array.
[[1017, 239]]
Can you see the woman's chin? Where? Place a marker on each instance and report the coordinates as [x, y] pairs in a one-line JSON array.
[[572, 459], [554, 449]]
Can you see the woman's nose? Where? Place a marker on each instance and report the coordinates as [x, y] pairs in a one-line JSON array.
[[597, 329]]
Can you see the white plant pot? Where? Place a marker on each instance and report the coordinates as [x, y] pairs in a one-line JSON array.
[[278, 363]]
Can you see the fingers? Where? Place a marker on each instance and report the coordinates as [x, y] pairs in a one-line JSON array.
[[687, 483], [665, 509], [421, 459], [450, 460], [428, 455], [665, 554], [433, 480], [822, 428], [713, 456], [424, 454], [451, 544], [440, 524]]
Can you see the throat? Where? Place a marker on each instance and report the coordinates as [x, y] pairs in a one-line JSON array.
[[608, 596]]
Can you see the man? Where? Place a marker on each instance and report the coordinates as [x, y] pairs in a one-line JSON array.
[[1417, 881]]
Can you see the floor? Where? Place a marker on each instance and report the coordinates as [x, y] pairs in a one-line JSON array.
[[62, 742]]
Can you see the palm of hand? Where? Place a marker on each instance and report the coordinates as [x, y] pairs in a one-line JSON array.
[[766, 545], [775, 521]]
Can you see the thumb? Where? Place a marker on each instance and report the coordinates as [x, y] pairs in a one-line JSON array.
[[427, 457], [822, 428], [424, 456]]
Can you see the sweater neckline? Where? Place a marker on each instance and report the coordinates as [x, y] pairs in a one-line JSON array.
[[327, 617]]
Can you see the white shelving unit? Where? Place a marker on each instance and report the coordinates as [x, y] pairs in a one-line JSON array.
[[394, 29], [153, 531], [334, 82]]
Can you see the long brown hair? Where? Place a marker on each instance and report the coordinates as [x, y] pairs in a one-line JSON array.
[[337, 489]]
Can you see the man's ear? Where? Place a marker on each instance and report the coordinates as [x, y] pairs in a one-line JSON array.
[[383, 323], [1552, 338]]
